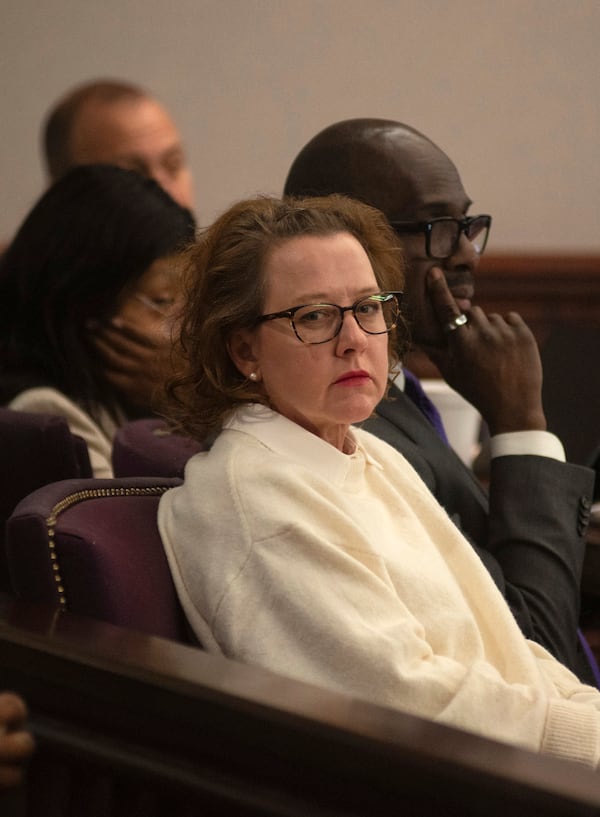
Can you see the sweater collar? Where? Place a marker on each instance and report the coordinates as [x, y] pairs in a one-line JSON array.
[[292, 441]]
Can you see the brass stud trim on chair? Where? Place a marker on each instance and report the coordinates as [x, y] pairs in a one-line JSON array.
[[73, 499]]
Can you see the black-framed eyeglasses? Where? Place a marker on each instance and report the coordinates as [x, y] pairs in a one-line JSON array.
[[442, 235], [376, 314]]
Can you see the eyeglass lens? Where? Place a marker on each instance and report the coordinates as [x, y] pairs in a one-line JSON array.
[[444, 236], [318, 323]]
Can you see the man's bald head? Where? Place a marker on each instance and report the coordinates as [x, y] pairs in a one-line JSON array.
[[119, 123], [384, 163], [400, 171], [58, 128]]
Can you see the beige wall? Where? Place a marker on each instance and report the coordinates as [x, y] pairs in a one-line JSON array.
[[508, 87]]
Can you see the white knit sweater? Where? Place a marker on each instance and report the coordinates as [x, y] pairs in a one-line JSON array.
[[343, 570]]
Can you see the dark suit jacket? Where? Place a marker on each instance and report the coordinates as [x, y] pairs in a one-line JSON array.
[[529, 532]]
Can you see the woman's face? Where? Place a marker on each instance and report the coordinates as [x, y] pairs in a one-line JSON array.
[[153, 300], [328, 386]]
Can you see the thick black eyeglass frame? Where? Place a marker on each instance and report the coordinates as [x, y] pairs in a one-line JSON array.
[[465, 225], [289, 313]]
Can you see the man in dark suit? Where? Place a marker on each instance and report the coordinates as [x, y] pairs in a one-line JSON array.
[[530, 530]]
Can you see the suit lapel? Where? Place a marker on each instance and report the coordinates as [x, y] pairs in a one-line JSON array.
[[400, 411]]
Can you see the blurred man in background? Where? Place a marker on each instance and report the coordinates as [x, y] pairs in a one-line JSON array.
[[114, 122]]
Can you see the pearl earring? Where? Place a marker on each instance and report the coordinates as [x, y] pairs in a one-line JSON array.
[[253, 376]]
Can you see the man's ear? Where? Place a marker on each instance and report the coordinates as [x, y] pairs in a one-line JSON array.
[[242, 350]]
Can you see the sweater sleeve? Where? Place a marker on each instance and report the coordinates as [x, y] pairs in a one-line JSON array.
[[304, 608]]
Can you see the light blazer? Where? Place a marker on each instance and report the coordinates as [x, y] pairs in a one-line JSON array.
[[529, 531]]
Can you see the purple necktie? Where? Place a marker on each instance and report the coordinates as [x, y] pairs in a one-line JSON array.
[[414, 391]]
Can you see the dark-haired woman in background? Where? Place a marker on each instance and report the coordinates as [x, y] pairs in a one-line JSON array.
[[86, 287]]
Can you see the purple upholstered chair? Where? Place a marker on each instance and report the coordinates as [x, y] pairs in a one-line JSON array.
[[35, 449], [93, 547], [148, 448]]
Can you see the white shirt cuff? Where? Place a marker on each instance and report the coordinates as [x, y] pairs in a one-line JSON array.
[[538, 443]]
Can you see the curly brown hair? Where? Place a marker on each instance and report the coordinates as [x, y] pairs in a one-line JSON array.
[[225, 290]]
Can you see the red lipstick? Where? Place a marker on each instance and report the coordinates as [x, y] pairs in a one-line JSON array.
[[354, 378]]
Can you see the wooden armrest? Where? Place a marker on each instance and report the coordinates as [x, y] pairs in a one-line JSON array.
[[241, 740]]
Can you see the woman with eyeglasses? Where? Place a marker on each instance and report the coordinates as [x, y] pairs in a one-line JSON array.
[[88, 288], [306, 545]]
